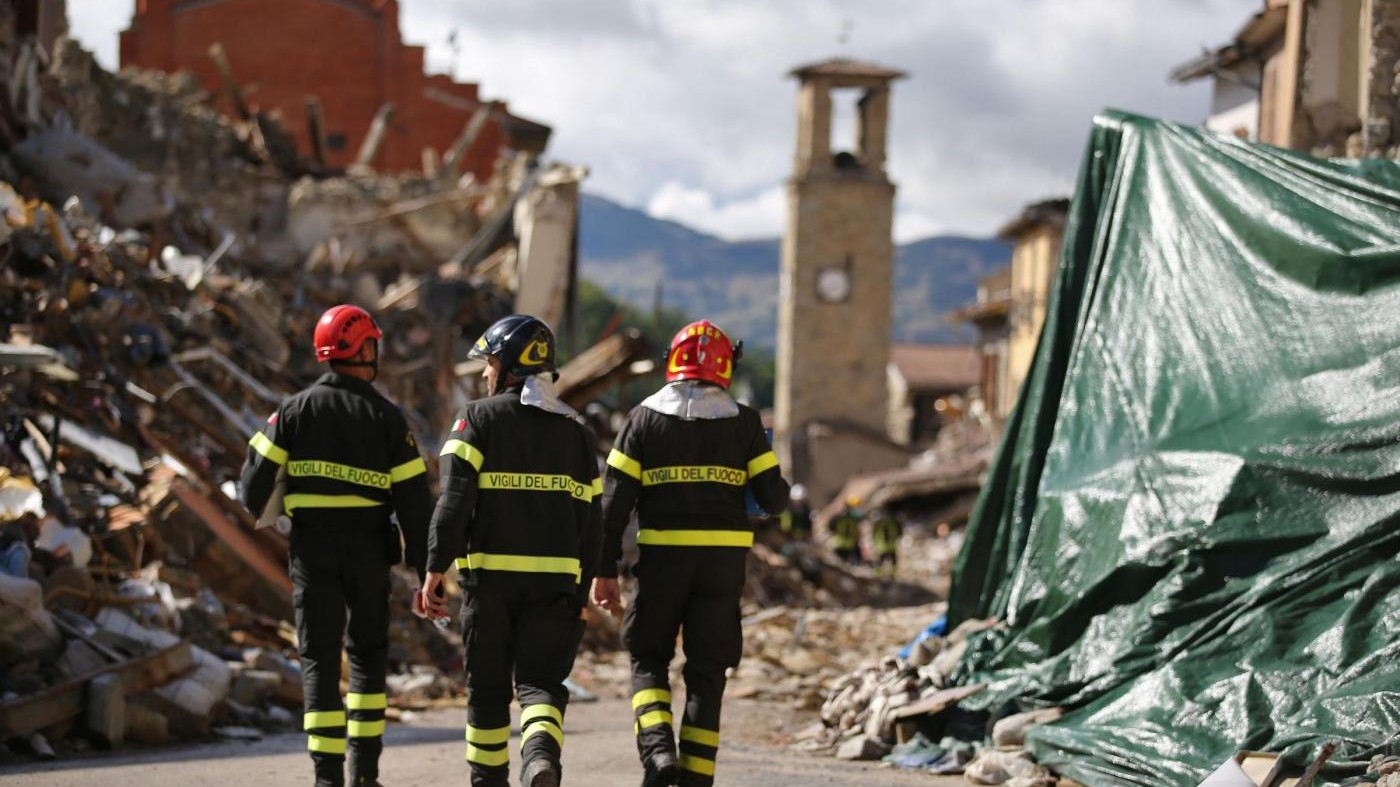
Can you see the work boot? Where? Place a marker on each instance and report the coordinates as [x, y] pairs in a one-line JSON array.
[[661, 770], [539, 772], [327, 776], [365, 781]]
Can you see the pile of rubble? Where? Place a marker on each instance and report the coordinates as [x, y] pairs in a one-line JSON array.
[[160, 269], [904, 710], [791, 653], [1383, 772], [864, 708]]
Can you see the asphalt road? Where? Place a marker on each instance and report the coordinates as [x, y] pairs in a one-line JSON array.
[[430, 750]]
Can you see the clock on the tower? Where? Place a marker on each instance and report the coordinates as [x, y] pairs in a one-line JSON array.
[[833, 284]]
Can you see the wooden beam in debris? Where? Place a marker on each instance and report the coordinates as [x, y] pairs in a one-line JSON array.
[[937, 701], [35, 712], [231, 88], [1323, 755], [238, 539], [375, 138], [410, 206], [316, 129], [596, 368], [452, 159]]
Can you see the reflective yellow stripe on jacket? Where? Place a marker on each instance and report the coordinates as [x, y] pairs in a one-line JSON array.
[[764, 461], [410, 469], [465, 451], [537, 482], [291, 503], [694, 474], [315, 468], [696, 538], [529, 564], [270, 450], [625, 464]]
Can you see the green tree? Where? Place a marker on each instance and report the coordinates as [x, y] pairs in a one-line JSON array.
[[599, 315]]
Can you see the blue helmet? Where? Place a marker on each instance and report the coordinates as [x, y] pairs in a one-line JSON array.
[[524, 345]]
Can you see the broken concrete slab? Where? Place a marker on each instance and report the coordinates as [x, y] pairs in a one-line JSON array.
[[862, 747], [254, 687], [66, 163], [104, 712], [64, 701]]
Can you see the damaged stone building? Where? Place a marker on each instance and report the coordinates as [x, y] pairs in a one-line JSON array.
[[347, 59], [1010, 306], [1311, 75], [831, 398]]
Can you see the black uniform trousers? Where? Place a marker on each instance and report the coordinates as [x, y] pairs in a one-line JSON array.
[[340, 576], [694, 592], [521, 639]]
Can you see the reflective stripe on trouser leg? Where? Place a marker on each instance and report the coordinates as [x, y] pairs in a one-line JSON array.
[[713, 642], [699, 747], [546, 641], [488, 733], [486, 747], [699, 733], [541, 732], [650, 628], [366, 714], [654, 724], [367, 652], [325, 731], [319, 597]]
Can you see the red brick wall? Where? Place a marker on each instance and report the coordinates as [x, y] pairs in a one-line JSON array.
[[348, 53]]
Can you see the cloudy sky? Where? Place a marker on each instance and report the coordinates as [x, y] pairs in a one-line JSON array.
[[683, 107]]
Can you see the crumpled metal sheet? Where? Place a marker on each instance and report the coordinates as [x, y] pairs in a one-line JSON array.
[[1193, 522]]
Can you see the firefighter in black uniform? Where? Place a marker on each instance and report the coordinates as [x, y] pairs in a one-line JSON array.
[[521, 517], [683, 460], [348, 461]]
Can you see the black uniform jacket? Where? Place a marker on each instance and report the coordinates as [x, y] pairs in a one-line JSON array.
[[350, 460], [521, 497], [687, 480]]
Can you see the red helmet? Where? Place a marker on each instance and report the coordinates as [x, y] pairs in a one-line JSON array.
[[701, 351], [341, 331]]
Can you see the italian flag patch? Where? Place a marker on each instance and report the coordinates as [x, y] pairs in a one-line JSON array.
[[459, 425]]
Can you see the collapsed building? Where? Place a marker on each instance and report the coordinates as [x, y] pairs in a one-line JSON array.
[[161, 267]]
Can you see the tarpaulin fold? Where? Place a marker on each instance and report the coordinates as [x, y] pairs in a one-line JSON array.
[[1191, 531]]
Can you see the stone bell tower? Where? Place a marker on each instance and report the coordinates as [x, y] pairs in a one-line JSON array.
[[837, 260]]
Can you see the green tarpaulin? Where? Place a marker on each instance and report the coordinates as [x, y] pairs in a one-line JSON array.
[[1192, 528]]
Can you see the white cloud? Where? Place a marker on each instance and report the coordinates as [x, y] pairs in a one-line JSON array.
[[684, 106], [746, 218], [96, 23]]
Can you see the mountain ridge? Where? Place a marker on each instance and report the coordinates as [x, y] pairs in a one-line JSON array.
[[735, 283]]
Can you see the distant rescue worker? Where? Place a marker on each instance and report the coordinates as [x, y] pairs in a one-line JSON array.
[[348, 461], [797, 520], [885, 533], [683, 461], [521, 517], [845, 532]]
